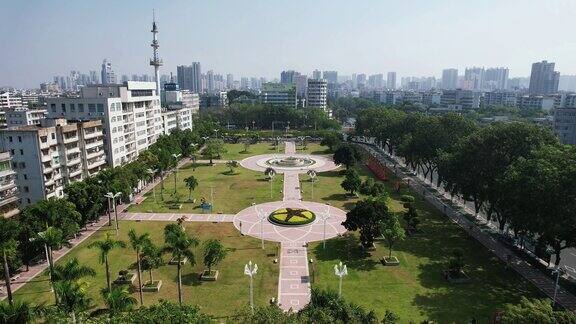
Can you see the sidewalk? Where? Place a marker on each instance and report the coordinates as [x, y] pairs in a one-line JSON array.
[[540, 280]]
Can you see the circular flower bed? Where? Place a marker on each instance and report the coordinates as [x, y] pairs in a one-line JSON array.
[[292, 216]]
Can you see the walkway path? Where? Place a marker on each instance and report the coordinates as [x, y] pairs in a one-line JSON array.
[[540, 280], [166, 217]]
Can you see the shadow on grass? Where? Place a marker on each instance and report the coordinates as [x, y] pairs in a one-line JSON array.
[[343, 248], [190, 279]]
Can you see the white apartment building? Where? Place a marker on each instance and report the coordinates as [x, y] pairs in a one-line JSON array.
[[9, 101], [47, 157], [23, 117], [130, 115], [317, 94], [176, 118], [535, 102], [9, 198]]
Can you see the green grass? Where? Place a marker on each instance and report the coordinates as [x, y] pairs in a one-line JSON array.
[[236, 151], [220, 298], [232, 192], [416, 290]]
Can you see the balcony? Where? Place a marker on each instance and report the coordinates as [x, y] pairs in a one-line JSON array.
[[73, 150], [96, 163], [92, 134], [7, 184], [93, 144], [94, 154], [68, 138]]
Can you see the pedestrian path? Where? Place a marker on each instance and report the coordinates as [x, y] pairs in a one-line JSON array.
[[166, 217], [289, 148], [291, 186], [294, 282], [535, 276]]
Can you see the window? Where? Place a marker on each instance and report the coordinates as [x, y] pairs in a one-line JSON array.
[[25, 177], [22, 165], [26, 189], [100, 107], [21, 152], [53, 136], [80, 107], [72, 108], [63, 106], [10, 139], [28, 200], [53, 107], [91, 107]]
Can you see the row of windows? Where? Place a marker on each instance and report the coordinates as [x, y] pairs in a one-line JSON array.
[[13, 152], [91, 107], [10, 139]]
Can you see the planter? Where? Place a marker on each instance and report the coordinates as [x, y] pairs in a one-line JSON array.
[[175, 262], [127, 280], [390, 261], [460, 278], [152, 287], [209, 276]]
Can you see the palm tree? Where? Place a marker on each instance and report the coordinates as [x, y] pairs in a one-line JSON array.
[[8, 248], [52, 238], [118, 300], [71, 270], [151, 259], [72, 297], [19, 312], [180, 245], [138, 242], [191, 184], [105, 246]]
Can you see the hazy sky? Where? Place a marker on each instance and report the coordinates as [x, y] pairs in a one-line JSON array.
[[260, 38]]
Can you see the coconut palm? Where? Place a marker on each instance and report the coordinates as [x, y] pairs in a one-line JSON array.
[[19, 312], [151, 258], [71, 270], [118, 300], [180, 245], [191, 184], [52, 238], [104, 247], [72, 297], [8, 248], [138, 242]]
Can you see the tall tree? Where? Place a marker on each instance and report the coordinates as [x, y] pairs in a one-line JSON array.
[[52, 238], [71, 270], [138, 243], [118, 300], [366, 216], [352, 181], [180, 246], [151, 258], [392, 232], [104, 247], [346, 154], [8, 248], [73, 298], [214, 253], [214, 149]]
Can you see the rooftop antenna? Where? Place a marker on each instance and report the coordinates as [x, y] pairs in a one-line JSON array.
[[156, 62]]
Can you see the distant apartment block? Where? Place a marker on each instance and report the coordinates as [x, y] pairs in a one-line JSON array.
[[535, 102], [499, 98], [317, 94], [565, 121], [217, 100], [47, 157], [130, 114], [9, 101], [278, 94], [543, 79], [391, 80], [466, 99], [22, 117], [9, 195]]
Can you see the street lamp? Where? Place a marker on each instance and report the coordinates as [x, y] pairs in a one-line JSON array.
[[250, 270], [312, 175], [278, 144], [216, 131], [176, 156], [340, 270], [113, 196], [261, 216], [325, 216], [271, 175]]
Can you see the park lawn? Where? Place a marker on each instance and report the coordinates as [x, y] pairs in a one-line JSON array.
[[312, 148], [220, 298], [236, 151], [232, 192], [416, 290]]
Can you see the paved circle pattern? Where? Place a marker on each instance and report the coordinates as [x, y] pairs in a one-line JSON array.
[[249, 219], [258, 163]]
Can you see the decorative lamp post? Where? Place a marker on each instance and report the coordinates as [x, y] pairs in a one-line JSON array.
[[262, 217], [341, 271], [152, 173], [176, 156], [325, 216], [271, 175], [250, 270]]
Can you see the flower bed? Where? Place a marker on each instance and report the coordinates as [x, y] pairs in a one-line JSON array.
[[152, 286], [292, 217]]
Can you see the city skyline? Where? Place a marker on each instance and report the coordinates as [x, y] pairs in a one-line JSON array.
[[387, 37]]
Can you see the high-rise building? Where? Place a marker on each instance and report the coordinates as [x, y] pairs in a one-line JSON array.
[[23, 117], [210, 86], [278, 94], [330, 76], [9, 194], [229, 81], [288, 77], [130, 114], [391, 80], [107, 75], [361, 81], [376, 81], [190, 77], [449, 79], [496, 78], [301, 82], [94, 78], [9, 101], [543, 78], [316, 75], [474, 78], [317, 94], [50, 156]]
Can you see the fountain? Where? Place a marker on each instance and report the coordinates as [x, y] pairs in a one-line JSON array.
[[290, 162]]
